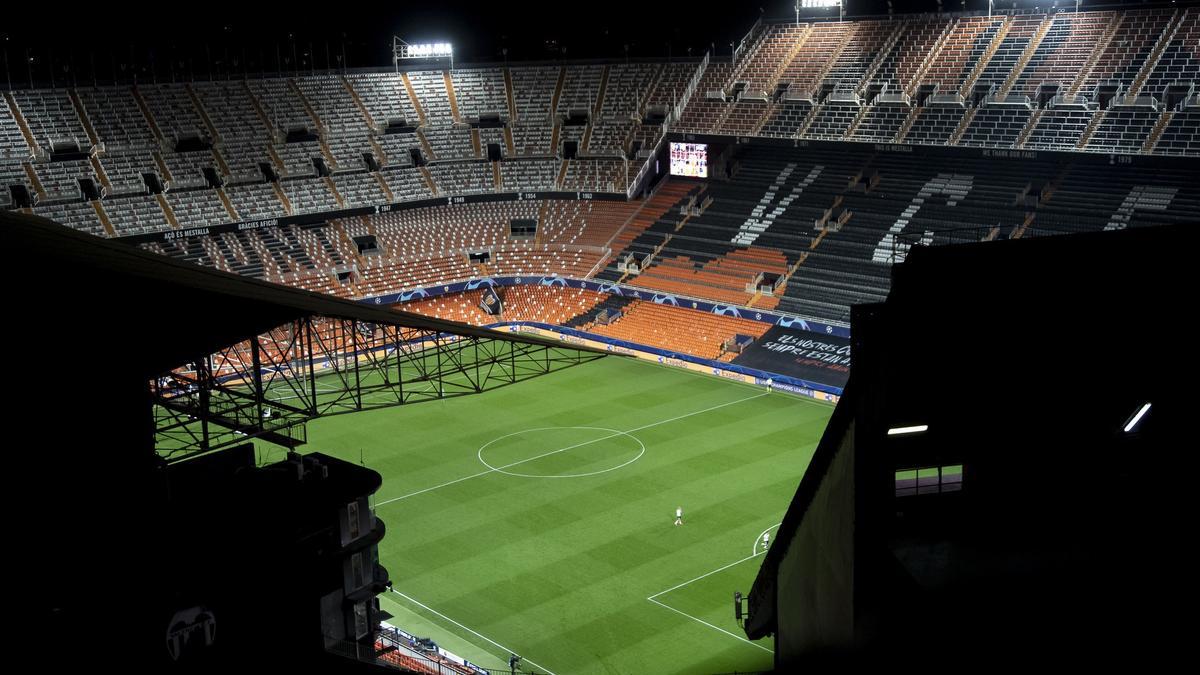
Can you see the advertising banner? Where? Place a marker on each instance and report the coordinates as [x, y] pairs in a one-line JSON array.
[[729, 371], [773, 318], [800, 354]]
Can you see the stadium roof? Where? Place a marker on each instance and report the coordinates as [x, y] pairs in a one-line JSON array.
[[245, 39], [151, 313]]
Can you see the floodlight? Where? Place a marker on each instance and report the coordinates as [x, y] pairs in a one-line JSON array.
[[903, 431], [1137, 417]]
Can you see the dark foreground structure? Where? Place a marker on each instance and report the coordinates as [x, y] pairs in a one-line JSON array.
[[986, 489], [148, 537]]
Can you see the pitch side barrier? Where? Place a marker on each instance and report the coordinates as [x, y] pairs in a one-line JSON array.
[[728, 371], [773, 318]]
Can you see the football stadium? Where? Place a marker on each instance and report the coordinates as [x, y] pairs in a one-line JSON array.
[[754, 339]]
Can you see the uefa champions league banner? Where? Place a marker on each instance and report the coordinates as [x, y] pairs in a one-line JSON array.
[[615, 289], [799, 354], [813, 388]]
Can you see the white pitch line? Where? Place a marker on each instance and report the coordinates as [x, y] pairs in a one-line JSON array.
[[569, 447], [720, 569], [754, 546], [510, 651], [718, 628], [435, 487]]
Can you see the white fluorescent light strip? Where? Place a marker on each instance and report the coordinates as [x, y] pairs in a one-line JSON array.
[[1137, 418], [899, 431]]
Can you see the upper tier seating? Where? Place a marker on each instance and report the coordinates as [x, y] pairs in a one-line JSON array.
[[269, 143], [1043, 60]]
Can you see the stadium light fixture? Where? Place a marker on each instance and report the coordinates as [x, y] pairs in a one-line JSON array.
[[1137, 417], [821, 4], [402, 51], [906, 431]]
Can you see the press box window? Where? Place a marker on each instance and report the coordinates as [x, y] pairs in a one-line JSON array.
[[929, 480]]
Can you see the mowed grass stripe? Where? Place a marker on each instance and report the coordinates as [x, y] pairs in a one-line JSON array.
[[616, 433], [472, 421], [560, 569]]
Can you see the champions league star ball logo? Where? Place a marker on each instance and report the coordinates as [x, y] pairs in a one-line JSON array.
[[473, 285], [665, 300], [413, 295], [726, 310], [792, 322], [610, 288], [552, 281]]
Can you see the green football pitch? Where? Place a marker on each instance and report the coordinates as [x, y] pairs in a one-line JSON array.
[[539, 518]]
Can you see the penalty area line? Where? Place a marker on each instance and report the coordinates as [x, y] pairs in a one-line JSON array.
[[754, 546], [707, 574], [702, 621], [716, 628]]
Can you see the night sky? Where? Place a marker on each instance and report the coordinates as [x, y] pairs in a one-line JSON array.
[[260, 37]]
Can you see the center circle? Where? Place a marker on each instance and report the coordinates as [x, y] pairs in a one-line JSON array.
[[557, 444]]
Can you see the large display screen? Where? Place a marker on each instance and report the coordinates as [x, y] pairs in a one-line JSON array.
[[689, 159]]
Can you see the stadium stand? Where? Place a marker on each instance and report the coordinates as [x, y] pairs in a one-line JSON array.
[[656, 325], [605, 310], [807, 231], [544, 304], [818, 82], [1100, 81], [77, 215], [533, 91], [829, 269], [531, 174], [677, 329], [198, 208], [429, 245], [50, 118], [834, 147]]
